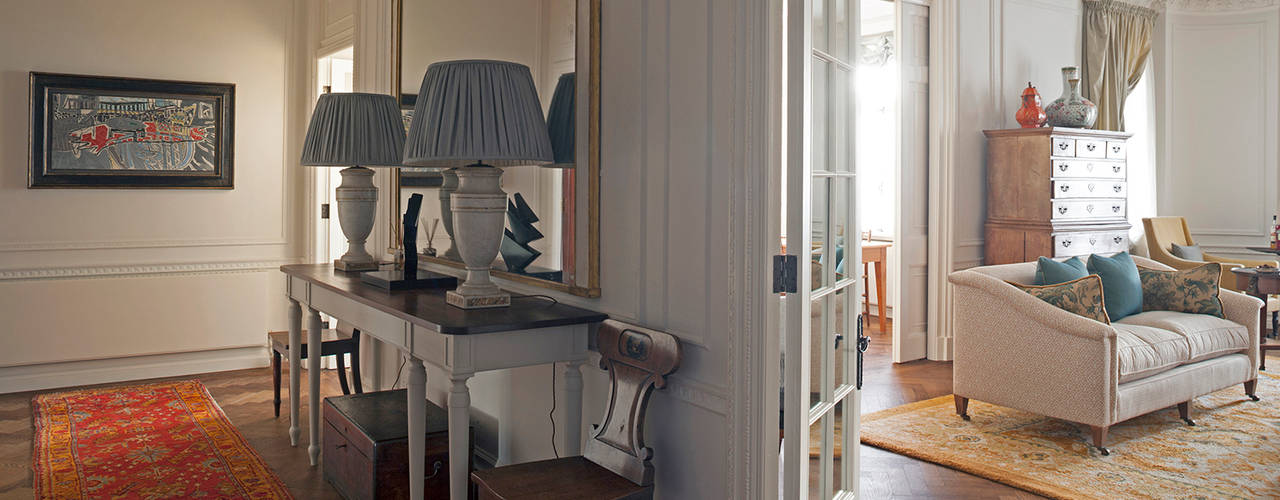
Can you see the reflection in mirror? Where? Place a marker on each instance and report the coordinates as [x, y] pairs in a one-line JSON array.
[[544, 217]]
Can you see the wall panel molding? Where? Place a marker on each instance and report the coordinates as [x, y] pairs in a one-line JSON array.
[[140, 270]]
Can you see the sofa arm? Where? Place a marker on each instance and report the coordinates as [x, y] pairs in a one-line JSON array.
[[1247, 311], [1015, 350]]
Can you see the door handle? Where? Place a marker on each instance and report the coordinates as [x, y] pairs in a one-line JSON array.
[[863, 342]]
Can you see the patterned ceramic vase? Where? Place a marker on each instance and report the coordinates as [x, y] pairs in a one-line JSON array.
[[1031, 115], [1071, 110]]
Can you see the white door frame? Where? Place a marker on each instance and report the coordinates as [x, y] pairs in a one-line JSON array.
[[943, 96]]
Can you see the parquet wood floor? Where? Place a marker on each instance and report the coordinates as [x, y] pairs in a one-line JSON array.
[[889, 475], [245, 396]]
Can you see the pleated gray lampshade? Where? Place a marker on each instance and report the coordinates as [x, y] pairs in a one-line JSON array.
[[560, 121], [350, 129], [477, 111]]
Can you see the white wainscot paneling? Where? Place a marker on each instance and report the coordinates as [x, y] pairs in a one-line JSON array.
[[1220, 117], [67, 330]]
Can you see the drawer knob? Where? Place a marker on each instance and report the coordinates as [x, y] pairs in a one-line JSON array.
[[1062, 146], [1118, 239], [1088, 166], [1064, 188], [1091, 186], [1062, 210], [1117, 188], [1115, 149], [1088, 208], [1115, 208], [1091, 146], [1066, 243], [1062, 167], [1115, 168], [1093, 241]]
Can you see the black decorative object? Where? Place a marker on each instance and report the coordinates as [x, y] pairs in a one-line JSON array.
[[515, 248], [108, 132], [409, 277]]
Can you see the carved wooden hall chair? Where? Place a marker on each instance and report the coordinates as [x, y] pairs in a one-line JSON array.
[[332, 343], [615, 462]]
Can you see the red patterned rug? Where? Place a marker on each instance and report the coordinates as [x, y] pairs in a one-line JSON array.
[[166, 440]]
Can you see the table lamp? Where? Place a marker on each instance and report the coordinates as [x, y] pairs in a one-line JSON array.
[[472, 117], [356, 131]]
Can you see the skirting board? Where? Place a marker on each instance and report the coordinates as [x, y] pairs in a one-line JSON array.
[[100, 371]]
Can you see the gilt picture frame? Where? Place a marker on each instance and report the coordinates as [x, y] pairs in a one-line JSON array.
[[114, 132]]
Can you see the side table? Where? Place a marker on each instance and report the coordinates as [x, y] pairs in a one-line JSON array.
[[1259, 285]]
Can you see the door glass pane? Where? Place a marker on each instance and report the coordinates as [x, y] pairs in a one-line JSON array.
[[817, 472], [819, 350], [821, 228], [820, 113], [839, 31], [840, 157], [839, 228], [820, 24], [840, 339], [837, 448]]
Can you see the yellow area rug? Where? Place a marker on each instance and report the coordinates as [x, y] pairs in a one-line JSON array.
[[1233, 451]]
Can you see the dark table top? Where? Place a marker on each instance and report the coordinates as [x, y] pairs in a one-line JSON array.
[[1274, 251], [427, 307]]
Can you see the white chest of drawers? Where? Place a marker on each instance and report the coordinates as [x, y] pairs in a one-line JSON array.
[[1055, 192]]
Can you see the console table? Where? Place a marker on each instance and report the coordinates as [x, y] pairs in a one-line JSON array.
[[532, 331]]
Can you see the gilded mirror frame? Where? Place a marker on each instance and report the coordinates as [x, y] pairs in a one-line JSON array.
[[592, 177]]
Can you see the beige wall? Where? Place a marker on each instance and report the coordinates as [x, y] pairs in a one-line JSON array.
[[105, 274]]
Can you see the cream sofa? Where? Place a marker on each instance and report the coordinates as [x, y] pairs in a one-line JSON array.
[[1015, 350]]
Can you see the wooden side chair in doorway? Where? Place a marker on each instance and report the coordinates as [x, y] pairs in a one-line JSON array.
[[332, 343], [615, 462]]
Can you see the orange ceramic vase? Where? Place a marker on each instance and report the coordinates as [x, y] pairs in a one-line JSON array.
[[1031, 115]]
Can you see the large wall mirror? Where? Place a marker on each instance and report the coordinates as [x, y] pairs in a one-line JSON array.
[[552, 224]]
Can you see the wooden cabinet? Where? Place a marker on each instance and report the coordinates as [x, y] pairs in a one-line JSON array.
[[1055, 192], [366, 446]]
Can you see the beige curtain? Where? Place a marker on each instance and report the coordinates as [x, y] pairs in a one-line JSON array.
[[1117, 42]]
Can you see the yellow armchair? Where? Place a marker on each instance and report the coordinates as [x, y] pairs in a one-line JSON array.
[[1163, 232]]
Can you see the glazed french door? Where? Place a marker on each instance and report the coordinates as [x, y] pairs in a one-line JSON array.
[[821, 395]]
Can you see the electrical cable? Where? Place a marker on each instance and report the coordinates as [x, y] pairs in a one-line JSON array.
[[544, 297], [400, 370], [552, 414]]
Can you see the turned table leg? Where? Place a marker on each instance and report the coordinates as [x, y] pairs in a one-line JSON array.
[[459, 436], [314, 329], [295, 368], [417, 394]]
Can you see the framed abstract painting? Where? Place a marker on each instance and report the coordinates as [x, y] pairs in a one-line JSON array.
[[108, 132]]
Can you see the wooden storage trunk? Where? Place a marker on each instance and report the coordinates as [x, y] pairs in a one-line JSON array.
[[366, 446]]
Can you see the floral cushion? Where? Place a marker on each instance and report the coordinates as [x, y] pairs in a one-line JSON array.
[[1192, 290], [1081, 296]]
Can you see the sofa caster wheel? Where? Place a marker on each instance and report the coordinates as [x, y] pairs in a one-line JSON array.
[[1189, 422], [1255, 398], [1105, 452]]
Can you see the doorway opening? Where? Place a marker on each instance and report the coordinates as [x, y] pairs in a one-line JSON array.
[[335, 72], [892, 92]]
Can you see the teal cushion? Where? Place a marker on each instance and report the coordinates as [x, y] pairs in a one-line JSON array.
[[1052, 272], [1121, 284]]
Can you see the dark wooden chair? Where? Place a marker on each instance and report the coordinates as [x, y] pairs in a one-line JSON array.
[[332, 343], [615, 462]]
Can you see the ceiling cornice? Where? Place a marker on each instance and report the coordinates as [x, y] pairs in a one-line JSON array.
[[1216, 5]]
